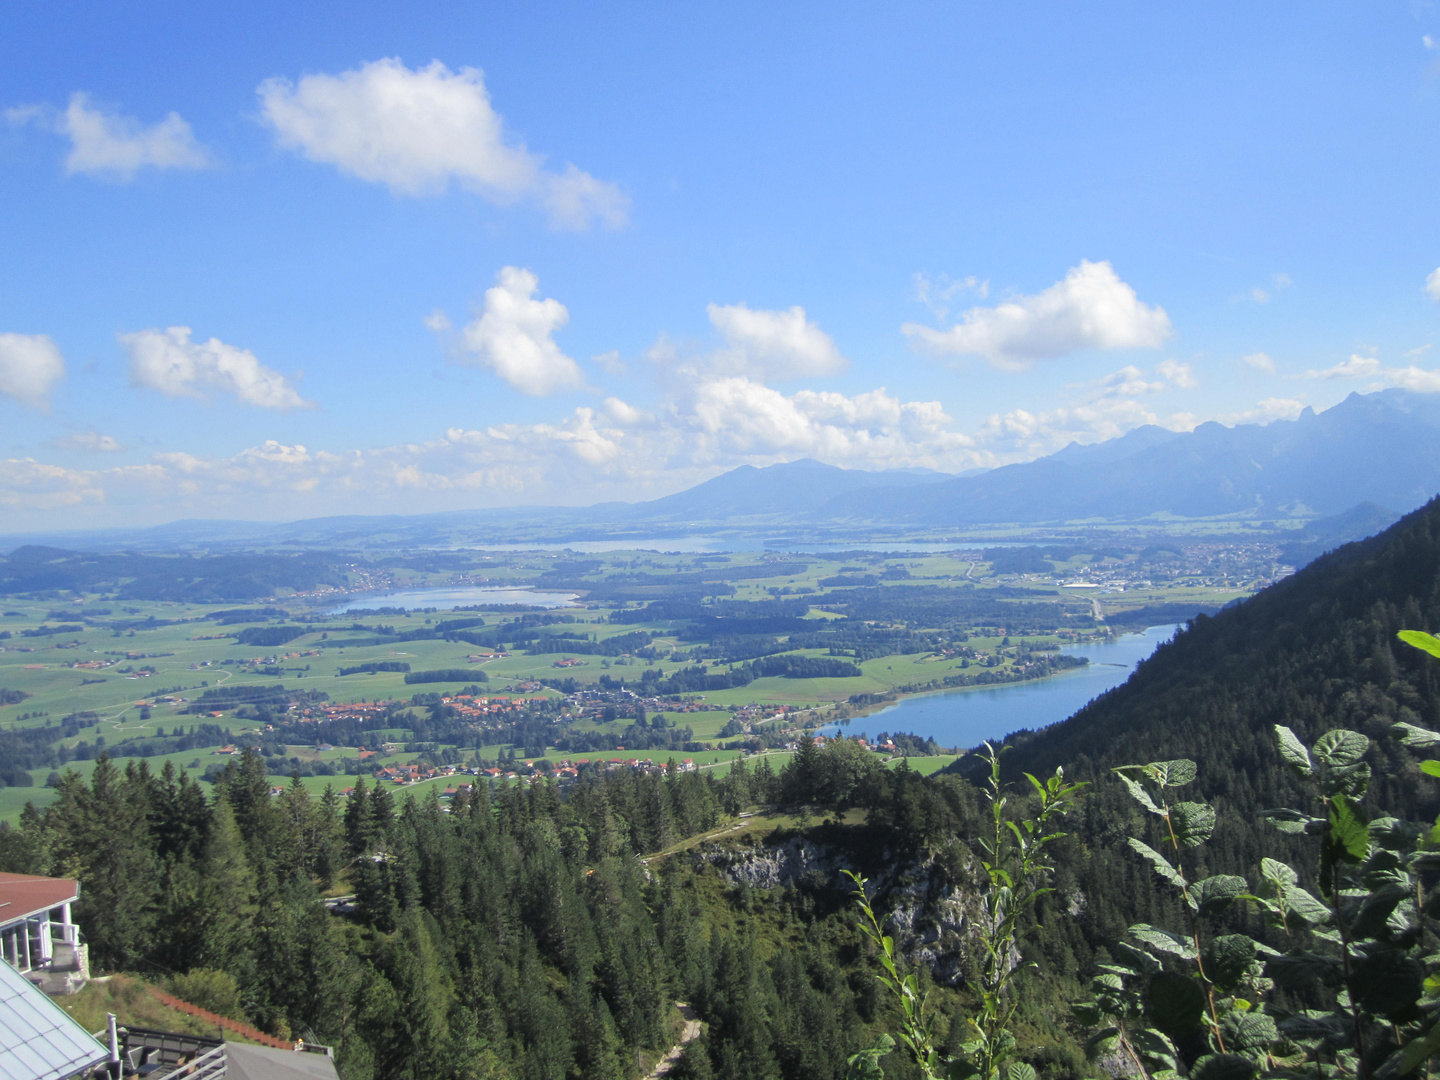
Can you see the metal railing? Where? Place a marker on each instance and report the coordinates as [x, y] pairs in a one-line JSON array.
[[205, 1067]]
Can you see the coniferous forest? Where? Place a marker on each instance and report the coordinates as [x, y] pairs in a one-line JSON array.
[[530, 931]]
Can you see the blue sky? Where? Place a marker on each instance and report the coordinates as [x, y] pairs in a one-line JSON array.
[[459, 255]]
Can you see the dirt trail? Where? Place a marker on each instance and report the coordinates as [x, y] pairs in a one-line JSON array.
[[672, 1056]]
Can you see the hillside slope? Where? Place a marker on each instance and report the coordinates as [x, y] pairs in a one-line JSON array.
[[1314, 651]]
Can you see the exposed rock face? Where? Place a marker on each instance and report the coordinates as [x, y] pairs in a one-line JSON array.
[[931, 918], [798, 860]]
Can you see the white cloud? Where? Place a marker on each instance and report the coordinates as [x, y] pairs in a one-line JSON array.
[[1357, 367], [1432, 285], [773, 344], [438, 322], [110, 145], [91, 441], [615, 451], [937, 293], [1129, 381], [27, 484], [1173, 371], [512, 336], [1265, 411], [1090, 309], [1369, 367], [30, 364], [168, 361], [1259, 295], [610, 362], [873, 430], [416, 131], [1260, 362]]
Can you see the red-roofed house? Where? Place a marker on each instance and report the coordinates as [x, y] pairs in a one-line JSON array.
[[37, 937]]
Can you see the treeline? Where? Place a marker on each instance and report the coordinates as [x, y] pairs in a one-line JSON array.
[[448, 675], [273, 697], [374, 667], [269, 637], [515, 936], [619, 645]]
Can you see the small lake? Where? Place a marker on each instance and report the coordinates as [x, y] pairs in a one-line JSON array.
[[447, 599], [967, 717]]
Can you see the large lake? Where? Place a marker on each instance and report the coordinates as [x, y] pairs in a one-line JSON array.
[[447, 599], [967, 717]]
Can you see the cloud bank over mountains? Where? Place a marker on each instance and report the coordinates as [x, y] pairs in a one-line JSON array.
[[713, 408]]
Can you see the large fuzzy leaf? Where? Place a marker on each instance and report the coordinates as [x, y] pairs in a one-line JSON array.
[[1228, 959], [1421, 640], [1417, 738], [1192, 822], [1139, 794], [1164, 941], [1249, 1032], [1160, 863], [1293, 751], [1215, 893], [1341, 748]]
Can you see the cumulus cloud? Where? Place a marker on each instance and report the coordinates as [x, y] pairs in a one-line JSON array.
[[1410, 377], [872, 430], [27, 484], [512, 336], [417, 131], [1090, 309], [91, 441], [108, 144], [773, 344], [1178, 374], [1260, 362], [168, 361], [30, 364]]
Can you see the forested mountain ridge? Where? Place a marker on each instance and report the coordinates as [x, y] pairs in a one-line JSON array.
[[1315, 652]]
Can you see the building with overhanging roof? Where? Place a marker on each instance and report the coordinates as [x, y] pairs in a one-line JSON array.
[[37, 935]]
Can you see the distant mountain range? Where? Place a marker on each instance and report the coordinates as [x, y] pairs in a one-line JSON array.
[[1380, 449]]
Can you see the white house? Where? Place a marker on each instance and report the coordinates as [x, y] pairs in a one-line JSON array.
[[37, 936]]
